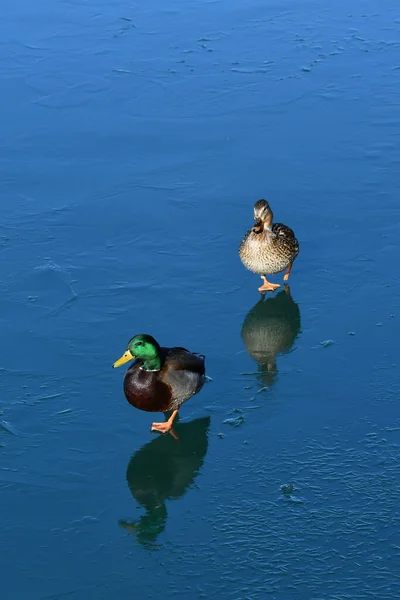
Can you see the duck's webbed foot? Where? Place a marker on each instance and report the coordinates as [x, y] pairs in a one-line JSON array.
[[165, 427], [267, 286]]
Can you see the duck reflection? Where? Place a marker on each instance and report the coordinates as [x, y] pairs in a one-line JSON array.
[[163, 470], [270, 328]]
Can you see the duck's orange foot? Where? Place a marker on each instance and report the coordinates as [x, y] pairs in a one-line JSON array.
[[286, 275], [167, 426], [161, 427], [267, 286], [156, 429]]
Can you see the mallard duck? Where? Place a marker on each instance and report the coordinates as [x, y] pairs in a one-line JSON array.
[[268, 248], [269, 329], [160, 379], [161, 471]]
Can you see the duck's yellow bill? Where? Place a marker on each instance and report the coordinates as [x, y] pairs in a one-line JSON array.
[[126, 357]]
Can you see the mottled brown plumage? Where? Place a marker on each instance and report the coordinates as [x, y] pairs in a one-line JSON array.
[[268, 248]]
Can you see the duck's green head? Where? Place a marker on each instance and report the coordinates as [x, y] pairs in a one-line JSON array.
[[262, 215], [142, 346]]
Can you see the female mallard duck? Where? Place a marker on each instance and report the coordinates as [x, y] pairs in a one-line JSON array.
[[160, 379], [268, 248]]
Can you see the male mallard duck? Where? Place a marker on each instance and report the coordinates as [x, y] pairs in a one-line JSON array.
[[268, 248], [161, 379]]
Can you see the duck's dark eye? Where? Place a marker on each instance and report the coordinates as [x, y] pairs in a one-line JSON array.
[[139, 344]]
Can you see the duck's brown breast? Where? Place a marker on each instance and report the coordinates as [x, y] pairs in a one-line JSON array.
[[144, 390]]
